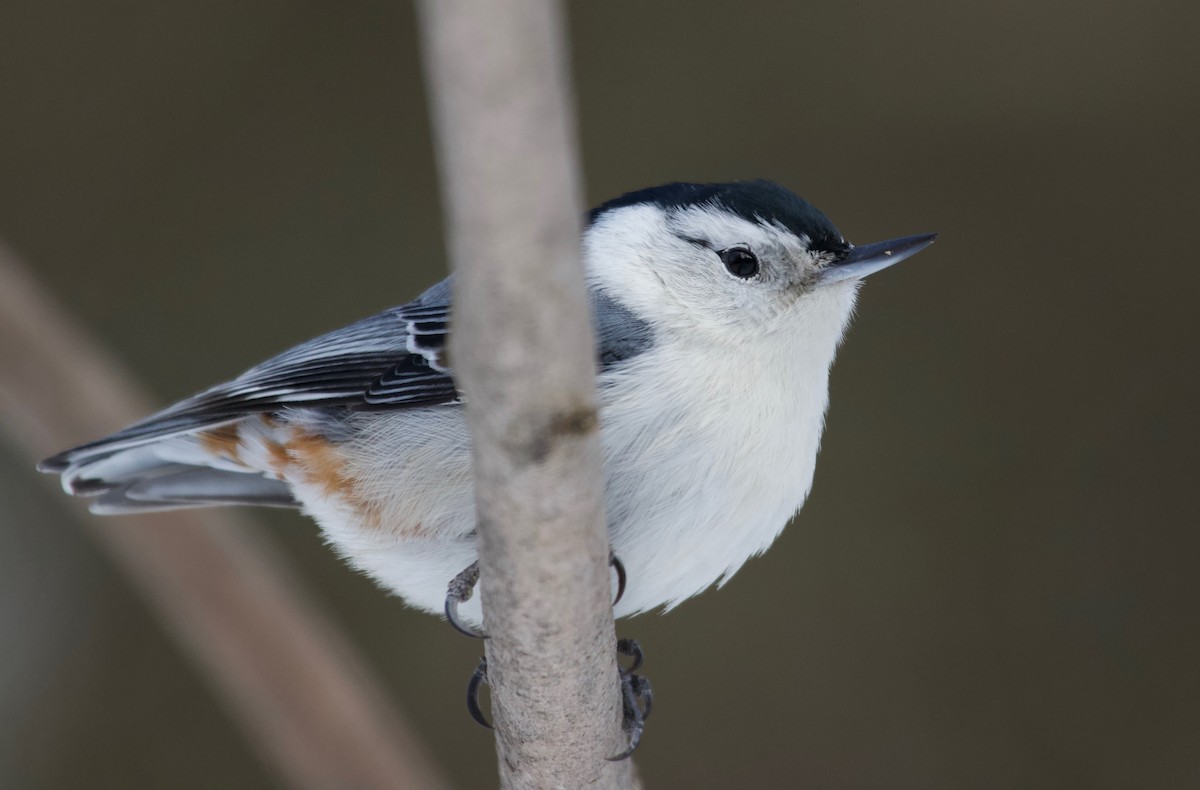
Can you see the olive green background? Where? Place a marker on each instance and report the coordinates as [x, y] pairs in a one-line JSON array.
[[994, 582]]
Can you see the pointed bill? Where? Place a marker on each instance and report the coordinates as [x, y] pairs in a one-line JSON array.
[[871, 258]]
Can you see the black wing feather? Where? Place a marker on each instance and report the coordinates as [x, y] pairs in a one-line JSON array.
[[392, 360]]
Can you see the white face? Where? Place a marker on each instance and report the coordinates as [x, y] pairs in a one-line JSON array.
[[702, 268]]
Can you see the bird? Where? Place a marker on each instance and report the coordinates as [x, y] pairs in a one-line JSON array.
[[718, 309]]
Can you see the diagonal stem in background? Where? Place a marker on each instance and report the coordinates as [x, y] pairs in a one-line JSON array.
[[304, 700]]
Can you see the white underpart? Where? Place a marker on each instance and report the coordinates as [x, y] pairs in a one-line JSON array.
[[416, 465], [709, 438], [706, 469]]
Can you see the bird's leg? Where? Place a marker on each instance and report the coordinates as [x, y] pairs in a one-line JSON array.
[[461, 588]]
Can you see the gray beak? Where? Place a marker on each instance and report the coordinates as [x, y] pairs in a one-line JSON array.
[[870, 258]]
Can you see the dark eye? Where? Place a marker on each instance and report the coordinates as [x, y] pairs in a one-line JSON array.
[[740, 262]]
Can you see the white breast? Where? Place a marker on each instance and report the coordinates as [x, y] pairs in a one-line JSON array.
[[709, 449], [709, 452]]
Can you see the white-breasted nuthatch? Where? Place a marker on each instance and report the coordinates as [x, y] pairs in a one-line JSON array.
[[718, 309]]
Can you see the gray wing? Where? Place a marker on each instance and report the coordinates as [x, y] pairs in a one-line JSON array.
[[396, 359], [620, 334]]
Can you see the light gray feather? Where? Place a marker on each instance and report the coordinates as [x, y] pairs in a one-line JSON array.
[[212, 486]]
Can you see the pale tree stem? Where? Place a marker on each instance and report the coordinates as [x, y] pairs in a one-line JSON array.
[[291, 681], [524, 355]]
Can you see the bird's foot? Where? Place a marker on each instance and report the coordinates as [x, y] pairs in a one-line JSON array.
[[462, 587], [637, 699]]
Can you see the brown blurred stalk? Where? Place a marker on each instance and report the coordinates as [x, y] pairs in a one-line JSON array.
[[524, 356], [305, 702]]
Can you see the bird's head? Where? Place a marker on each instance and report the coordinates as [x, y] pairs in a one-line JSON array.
[[745, 256]]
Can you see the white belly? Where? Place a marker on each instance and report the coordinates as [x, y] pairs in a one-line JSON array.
[[703, 470]]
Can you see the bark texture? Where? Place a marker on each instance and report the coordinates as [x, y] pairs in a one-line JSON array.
[[523, 354]]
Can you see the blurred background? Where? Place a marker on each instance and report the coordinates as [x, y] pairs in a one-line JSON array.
[[993, 584]]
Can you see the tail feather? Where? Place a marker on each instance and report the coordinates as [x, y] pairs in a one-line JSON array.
[[212, 486], [167, 473], [115, 503]]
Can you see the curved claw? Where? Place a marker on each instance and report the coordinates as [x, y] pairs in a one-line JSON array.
[[461, 588], [631, 648], [453, 619], [478, 678], [619, 567], [637, 700]]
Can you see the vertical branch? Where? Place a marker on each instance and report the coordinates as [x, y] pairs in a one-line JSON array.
[[524, 355], [291, 681]]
